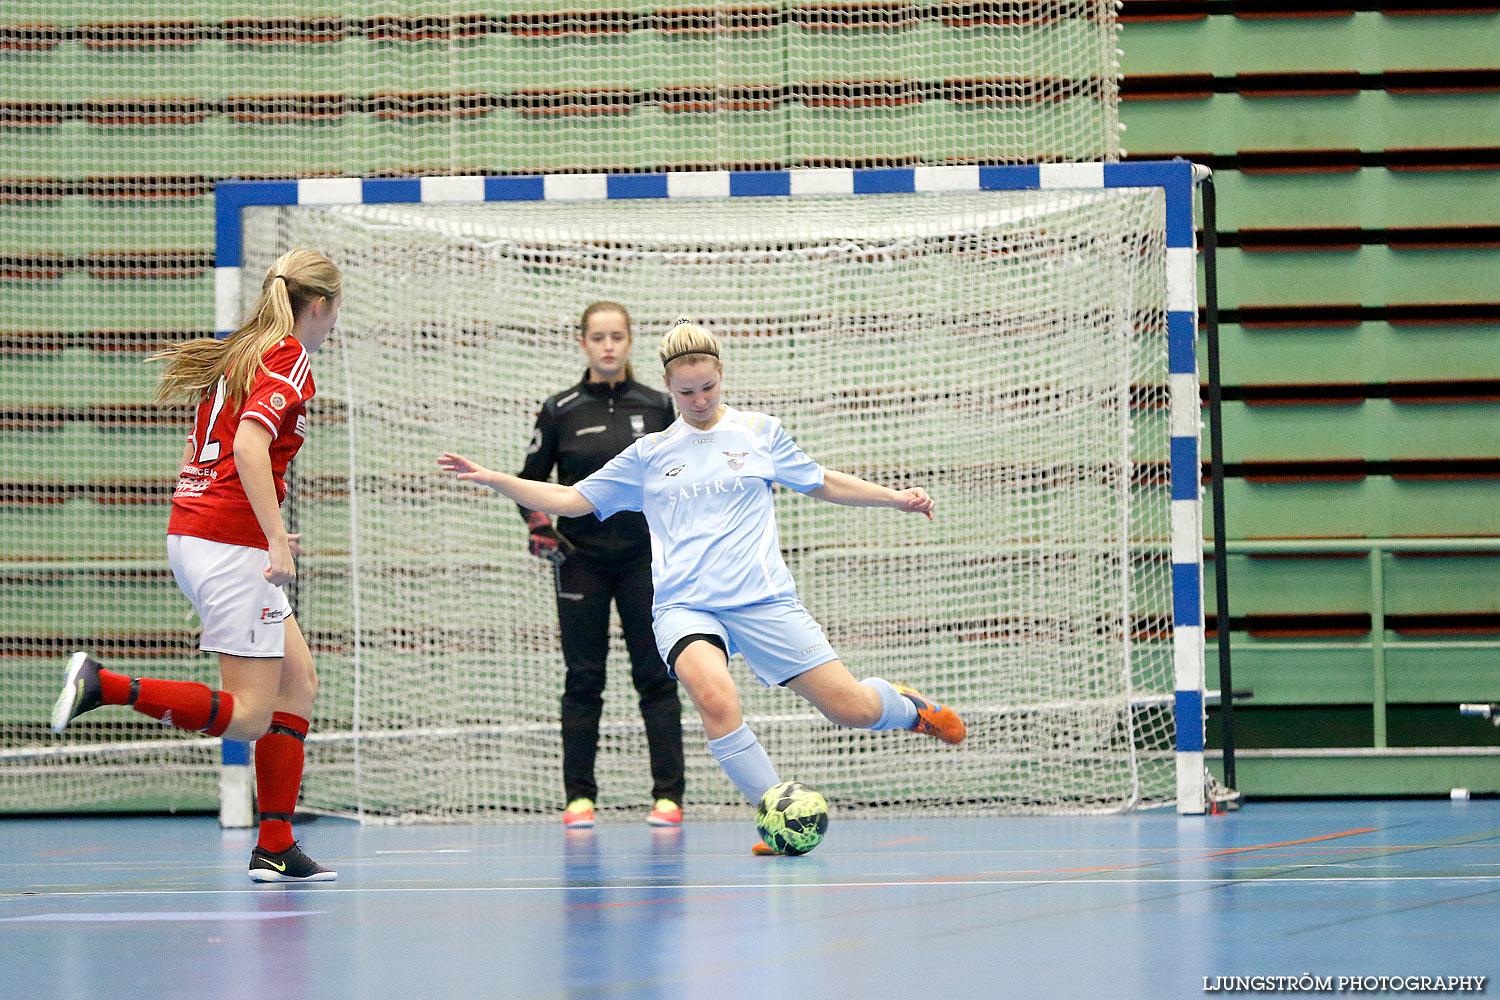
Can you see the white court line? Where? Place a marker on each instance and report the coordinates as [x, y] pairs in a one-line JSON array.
[[202, 916], [954, 881]]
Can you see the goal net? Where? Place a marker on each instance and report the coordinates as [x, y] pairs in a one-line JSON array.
[[1007, 350], [119, 119]]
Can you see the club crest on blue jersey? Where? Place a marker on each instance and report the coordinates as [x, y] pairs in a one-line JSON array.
[[736, 459]]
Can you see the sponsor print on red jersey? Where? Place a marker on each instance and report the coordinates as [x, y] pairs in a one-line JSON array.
[[210, 500]]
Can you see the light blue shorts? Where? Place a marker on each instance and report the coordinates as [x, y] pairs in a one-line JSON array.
[[777, 638]]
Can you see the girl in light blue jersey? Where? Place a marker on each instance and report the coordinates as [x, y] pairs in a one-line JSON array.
[[721, 585]]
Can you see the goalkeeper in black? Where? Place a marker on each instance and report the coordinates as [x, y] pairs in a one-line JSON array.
[[577, 432]]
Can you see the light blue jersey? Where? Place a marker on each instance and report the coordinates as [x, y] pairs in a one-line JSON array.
[[707, 499]]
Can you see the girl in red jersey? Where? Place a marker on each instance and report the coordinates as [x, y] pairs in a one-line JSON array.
[[230, 551]]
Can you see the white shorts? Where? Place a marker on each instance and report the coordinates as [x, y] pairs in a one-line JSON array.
[[242, 614], [778, 638]]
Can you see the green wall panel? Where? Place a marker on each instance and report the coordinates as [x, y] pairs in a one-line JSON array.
[[83, 529], [1431, 584], [1298, 585], [1365, 42], [164, 303], [1297, 673], [1371, 275], [1373, 429], [1438, 674], [1374, 507], [1373, 352], [86, 452], [1367, 198], [1229, 123], [77, 377]]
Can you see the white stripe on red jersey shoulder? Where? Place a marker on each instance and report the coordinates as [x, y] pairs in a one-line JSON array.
[[289, 362]]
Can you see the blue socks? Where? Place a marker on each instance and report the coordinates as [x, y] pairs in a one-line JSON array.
[[896, 710], [744, 760]]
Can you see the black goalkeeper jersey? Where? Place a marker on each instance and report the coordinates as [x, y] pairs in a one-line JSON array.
[[578, 431]]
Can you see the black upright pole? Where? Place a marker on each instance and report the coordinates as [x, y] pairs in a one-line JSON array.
[[1216, 469]]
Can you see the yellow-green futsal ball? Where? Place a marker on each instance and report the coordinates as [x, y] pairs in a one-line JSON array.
[[792, 818]]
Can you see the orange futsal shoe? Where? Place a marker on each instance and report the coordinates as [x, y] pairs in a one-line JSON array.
[[665, 813], [764, 850], [579, 815], [933, 718]]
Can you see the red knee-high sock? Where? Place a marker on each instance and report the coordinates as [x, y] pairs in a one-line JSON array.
[[278, 778], [184, 704], [114, 688]]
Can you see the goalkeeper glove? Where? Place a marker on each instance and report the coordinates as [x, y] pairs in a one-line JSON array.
[[545, 542]]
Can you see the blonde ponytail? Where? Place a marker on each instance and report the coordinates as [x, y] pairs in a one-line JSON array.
[[687, 341], [195, 366]]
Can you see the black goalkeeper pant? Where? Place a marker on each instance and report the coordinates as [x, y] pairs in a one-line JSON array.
[[584, 591]]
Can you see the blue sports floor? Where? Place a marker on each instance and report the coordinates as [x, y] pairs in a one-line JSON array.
[[1142, 906]]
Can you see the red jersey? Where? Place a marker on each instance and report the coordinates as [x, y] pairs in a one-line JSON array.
[[210, 500]]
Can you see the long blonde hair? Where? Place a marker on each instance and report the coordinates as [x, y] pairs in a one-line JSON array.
[[194, 367], [687, 341]]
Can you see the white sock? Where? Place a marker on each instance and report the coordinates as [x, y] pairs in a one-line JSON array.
[[743, 758], [896, 709]]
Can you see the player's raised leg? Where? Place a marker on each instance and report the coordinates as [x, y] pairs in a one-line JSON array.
[[241, 617], [87, 685], [876, 704]]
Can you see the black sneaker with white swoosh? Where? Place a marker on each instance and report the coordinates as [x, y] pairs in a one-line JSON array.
[[290, 865], [81, 691]]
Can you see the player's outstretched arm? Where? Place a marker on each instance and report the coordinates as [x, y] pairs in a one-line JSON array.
[[852, 491], [549, 498]]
